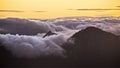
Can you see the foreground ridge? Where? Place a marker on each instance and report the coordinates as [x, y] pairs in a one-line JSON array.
[[88, 47]]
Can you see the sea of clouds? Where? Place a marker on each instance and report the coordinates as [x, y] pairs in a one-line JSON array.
[[24, 37]]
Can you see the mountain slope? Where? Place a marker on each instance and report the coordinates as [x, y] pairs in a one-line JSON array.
[[88, 47], [93, 46]]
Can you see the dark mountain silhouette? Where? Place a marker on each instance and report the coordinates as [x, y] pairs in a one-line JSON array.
[[94, 47], [88, 47], [7, 59], [49, 33]]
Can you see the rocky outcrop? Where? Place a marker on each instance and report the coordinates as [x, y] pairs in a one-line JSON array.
[[49, 33]]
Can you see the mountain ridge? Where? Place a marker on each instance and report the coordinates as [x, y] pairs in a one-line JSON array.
[[93, 46], [88, 47]]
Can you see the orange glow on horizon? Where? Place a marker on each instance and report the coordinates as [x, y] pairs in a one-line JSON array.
[[58, 8]]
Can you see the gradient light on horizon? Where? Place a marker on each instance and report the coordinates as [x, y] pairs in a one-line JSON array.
[[58, 8]]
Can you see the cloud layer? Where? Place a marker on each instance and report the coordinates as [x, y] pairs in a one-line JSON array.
[[40, 11], [33, 46], [117, 6], [10, 11], [31, 43], [28, 27], [92, 9]]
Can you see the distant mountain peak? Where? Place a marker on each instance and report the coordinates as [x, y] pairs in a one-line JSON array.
[[49, 33], [92, 32], [93, 45]]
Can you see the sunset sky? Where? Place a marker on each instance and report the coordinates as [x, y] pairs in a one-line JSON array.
[[58, 8]]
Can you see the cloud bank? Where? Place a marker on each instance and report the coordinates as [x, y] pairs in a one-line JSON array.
[[93, 9], [33, 46], [26, 35], [40, 11], [28, 27], [10, 11], [117, 6]]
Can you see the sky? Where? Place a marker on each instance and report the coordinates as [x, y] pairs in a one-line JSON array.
[[58, 8]]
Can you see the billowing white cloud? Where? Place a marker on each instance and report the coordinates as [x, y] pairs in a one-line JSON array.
[[30, 45], [27, 27], [34, 46], [34, 26]]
